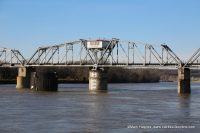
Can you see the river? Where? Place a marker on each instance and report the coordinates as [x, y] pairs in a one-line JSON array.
[[124, 108]]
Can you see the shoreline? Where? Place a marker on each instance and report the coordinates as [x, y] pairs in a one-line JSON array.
[[61, 81]]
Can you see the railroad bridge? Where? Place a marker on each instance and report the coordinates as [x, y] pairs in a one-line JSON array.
[[98, 55]]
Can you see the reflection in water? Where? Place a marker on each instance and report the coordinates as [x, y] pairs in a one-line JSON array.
[[183, 104], [98, 92], [184, 100], [96, 109], [75, 109]]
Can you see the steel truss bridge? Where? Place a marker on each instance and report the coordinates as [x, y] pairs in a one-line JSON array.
[[11, 57], [99, 53]]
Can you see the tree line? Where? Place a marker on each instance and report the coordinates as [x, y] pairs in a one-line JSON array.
[[78, 74]]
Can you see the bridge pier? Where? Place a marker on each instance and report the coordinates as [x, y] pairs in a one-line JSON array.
[[23, 78], [44, 81], [98, 80], [184, 81]]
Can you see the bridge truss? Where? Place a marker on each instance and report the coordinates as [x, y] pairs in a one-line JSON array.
[[100, 53], [115, 53], [194, 61], [11, 57]]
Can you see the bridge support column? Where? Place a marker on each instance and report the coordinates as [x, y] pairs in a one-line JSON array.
[[44, 81], [184, 81], [98, 80], [23, 78]]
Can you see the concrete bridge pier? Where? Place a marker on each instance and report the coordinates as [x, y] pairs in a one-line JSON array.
[[38, 81], [23, 78], [98, 79], [184, 81], [44, 81]]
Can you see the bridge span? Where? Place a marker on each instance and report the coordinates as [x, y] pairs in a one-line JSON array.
[[98, 55]]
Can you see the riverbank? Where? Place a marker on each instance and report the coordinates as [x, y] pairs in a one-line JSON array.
[[8, 81], [63, 81]]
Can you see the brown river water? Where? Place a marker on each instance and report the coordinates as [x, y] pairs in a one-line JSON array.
[[124, 108]]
